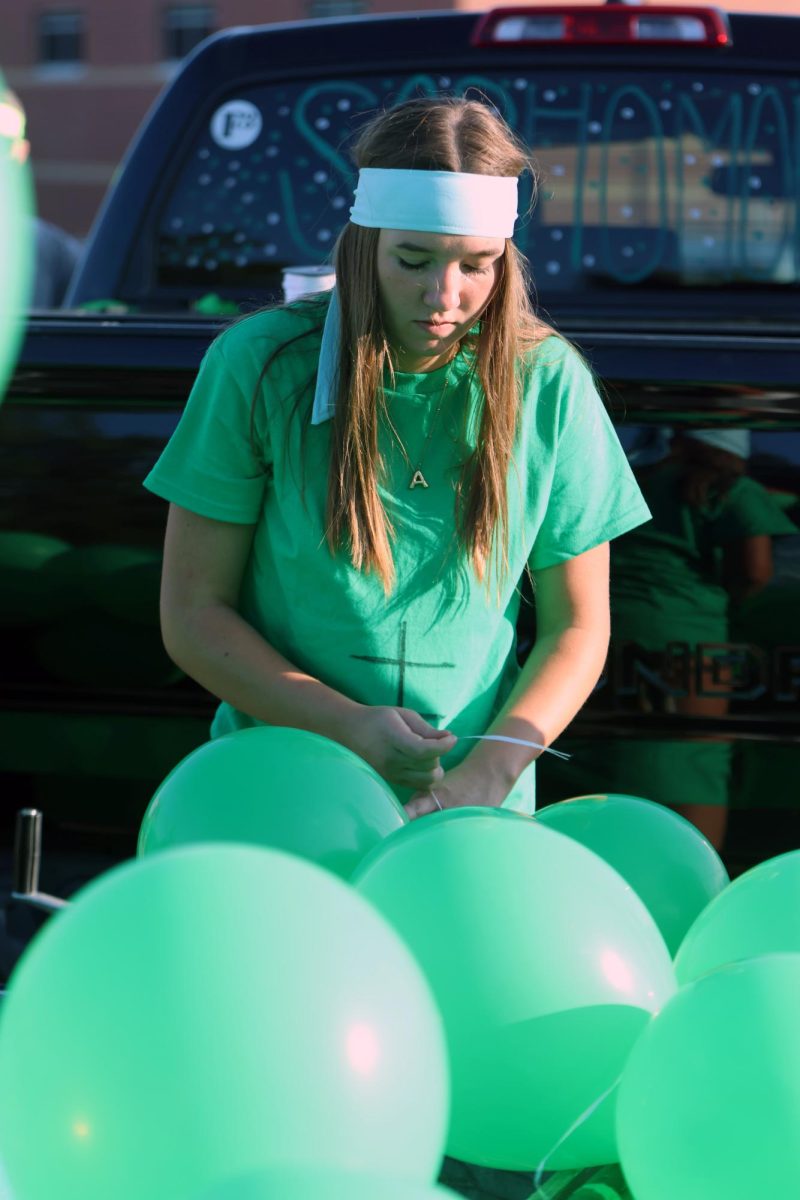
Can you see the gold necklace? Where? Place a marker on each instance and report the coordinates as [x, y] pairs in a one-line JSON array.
[[417, 478]]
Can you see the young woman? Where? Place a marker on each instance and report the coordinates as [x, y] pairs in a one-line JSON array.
[[360, 481]]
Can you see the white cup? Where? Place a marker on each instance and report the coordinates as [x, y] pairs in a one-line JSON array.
[[304, 281]]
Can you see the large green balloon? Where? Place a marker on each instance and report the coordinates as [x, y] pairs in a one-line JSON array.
[[287, 1184], [275, 786], [209, 1011], [546, 967], [16, 231], [665, 859], [759, 913], [709, 1103]]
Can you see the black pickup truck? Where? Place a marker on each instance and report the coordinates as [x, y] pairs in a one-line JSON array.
[[665, 243]]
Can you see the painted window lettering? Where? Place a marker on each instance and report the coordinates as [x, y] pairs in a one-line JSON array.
[[643, 180]]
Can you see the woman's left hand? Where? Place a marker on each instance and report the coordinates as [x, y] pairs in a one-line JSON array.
[[462, 787]]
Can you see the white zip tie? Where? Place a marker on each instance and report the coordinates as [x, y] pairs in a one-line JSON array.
[[497, 737], [576, 1124]]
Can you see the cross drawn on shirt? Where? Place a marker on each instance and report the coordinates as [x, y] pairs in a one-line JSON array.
[[403, 663]]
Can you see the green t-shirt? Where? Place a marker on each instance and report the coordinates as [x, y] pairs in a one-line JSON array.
[[666, 578], [245, 451]]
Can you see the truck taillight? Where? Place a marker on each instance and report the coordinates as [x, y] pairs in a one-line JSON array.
[[609, 25]]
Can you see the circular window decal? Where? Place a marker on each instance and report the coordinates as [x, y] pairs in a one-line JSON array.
[[236, 124]]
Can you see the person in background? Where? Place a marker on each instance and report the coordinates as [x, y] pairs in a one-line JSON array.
[[675, 583], [57, 254]]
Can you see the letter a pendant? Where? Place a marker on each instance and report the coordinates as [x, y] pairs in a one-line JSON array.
[[417, 480]]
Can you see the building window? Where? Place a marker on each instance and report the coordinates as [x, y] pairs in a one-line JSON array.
[[336, 8], [185, 26], [61, 37]]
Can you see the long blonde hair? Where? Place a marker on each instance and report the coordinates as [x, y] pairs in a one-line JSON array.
[[442, 134]]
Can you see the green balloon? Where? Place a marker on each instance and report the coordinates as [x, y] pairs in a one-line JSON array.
[[672, 868], [545, 965], [757, 914], [709, 1102], [211, 1011], [16, 231], [275, 786], [287, 1184]]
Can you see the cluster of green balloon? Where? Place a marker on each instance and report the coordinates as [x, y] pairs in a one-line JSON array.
[[213, 1011], [275, 786], [297, 1184], [667, 861], [16, 230], [709, 1103], [546, 967]]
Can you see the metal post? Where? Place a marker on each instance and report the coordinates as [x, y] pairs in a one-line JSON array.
[[27, 852], [27, 861]]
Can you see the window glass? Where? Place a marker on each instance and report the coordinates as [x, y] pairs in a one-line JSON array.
[[670, 181], [61, 37], [185, 26]]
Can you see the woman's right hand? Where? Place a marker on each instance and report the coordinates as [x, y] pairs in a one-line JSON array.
[[400, 744]]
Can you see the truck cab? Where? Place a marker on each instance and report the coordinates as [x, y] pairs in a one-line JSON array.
[[663, 233]]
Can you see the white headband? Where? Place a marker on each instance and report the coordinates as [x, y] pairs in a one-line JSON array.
[[427, 202], [436, 202]]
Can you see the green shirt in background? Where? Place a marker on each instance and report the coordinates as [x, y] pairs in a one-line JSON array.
[[666, 579], [441, 643]]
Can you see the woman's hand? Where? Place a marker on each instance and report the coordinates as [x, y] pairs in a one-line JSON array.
[[465, 786], [402, 747]]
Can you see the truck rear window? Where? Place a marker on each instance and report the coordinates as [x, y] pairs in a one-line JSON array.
[[677, 180]]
